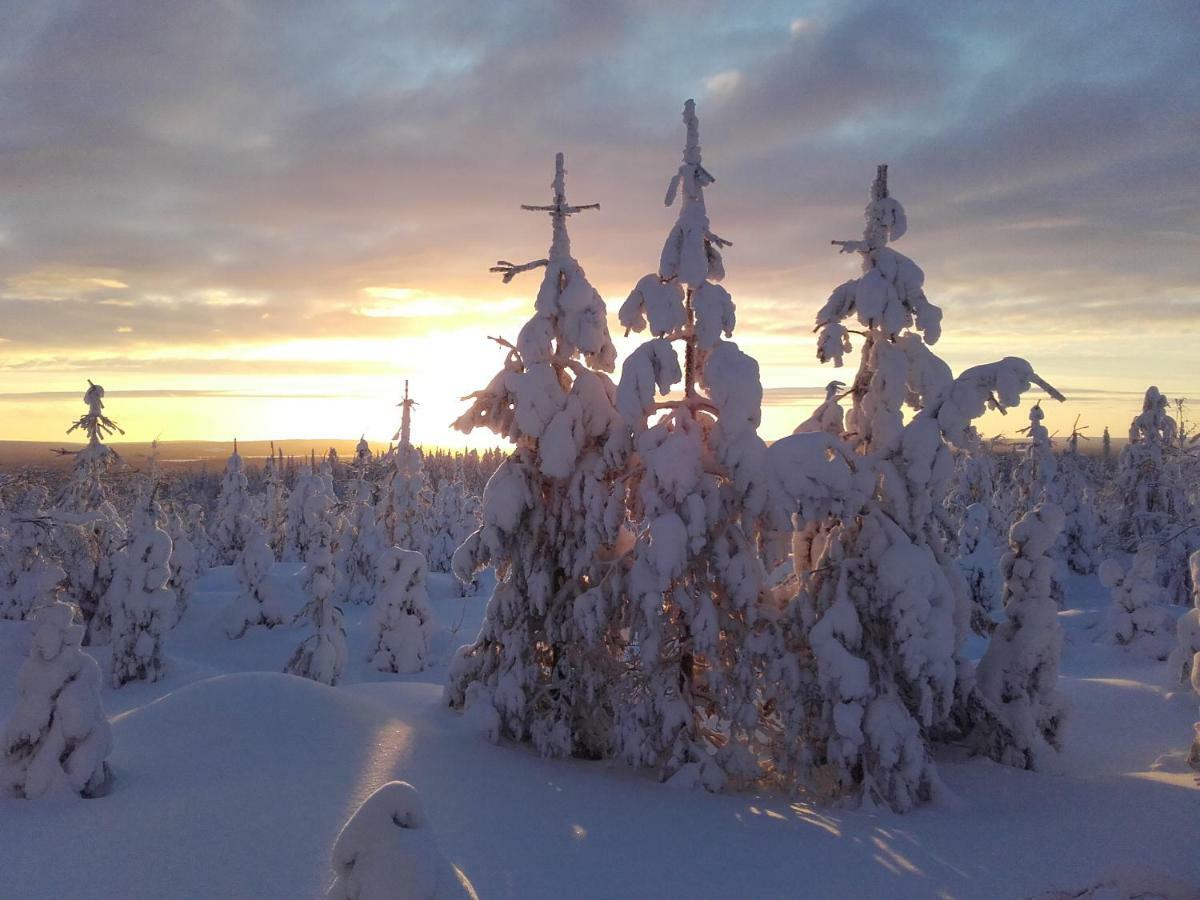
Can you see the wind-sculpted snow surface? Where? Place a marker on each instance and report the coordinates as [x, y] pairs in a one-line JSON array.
[[541, 668], [57, 738]]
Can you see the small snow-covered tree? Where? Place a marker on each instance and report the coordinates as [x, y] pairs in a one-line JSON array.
[[404, 514], [322, 655], [144, 608], [298, 539], [402, 618], [1152, 495], [275, 503], [695, 487], [185, 563], [541, 667], [1019, 672], [979, 559], [235, 511], [253, 606], [387, 852], [1036, 480], [358, 544], [448, 523], [1081, 534], [29, 577], [1184, 663], [872, 671], [57, 737], [1137, 616], [199, 535]]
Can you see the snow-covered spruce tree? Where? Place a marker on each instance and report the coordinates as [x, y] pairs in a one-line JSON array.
[[402, 620], [144, 608], [253, 606], [235, 511], [979, 559], [1184, 662], [447, 524], [1019, 672], [404, 514], [975, 480], [695, 486], [1035, 481], [1152, 496], [199, 535], [829, 416], [1081, 532], [544, 662], [275, 503], [877, 628], [1138, 616], [29, 577], [308, 484], [322, 655], [185, 563], [57, 737], [387, 852], [358, 544], [92, 532]]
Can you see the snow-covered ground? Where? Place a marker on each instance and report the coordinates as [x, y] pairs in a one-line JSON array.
[[233, 780]]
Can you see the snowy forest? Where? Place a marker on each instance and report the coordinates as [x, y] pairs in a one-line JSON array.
[[880, 643]]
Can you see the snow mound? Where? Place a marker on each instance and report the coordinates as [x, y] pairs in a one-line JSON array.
[[387, 852], [275, 756]]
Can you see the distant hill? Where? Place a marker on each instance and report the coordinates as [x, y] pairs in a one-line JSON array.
[[15, 454]]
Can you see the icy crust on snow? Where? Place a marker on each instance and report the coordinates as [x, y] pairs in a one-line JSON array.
[[57, 738], [386, 851]]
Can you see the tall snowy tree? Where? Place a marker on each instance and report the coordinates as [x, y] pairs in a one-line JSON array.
[[322, 655], [1019, 672], [878, 625], [979, 559], [542, 662], [695, 485], [143, 608], [57, 737], [298, 539], [402, 620], [92, 532], [404, 513], [235, 511]]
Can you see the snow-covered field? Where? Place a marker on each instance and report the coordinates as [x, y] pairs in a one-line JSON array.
[[232, 780]]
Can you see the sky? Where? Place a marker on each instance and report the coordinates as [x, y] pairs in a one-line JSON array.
[[257, 219]]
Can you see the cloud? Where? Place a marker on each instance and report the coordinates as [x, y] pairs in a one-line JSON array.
[[215, 176]]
